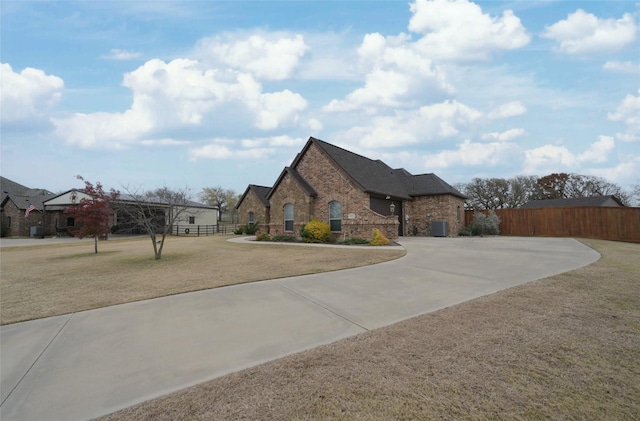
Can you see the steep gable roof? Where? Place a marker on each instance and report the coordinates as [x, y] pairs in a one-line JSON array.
[[310, 191], [261, 191], [374, 176], [576, 201]]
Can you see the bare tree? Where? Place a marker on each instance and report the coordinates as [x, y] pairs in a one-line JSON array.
[[500, 193], [635, 193], [155, 212], [224, 199]]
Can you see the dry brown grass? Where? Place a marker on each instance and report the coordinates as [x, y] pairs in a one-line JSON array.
[[566, 347], [42, 281]]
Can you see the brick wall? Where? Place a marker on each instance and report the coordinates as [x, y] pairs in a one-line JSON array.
[[14, 224], [331, 184], [288, 191], [252, 203], [426, 209]]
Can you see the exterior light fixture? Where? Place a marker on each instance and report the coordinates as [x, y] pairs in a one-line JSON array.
[[392, 208]]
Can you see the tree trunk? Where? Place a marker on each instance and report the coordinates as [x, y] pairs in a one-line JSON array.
[[95, 239]]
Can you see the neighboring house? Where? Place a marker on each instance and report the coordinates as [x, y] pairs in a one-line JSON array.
[[50, 218], [352, 193], [16, 199], [600, 201]]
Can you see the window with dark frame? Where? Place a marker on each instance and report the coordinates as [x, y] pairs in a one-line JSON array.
[[288, 217], [251, 219], [335, 216], [192, 219]]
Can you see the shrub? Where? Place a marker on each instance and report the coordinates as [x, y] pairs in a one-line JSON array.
[[483, 224], [263, 236], [350, 241], [239, 230], [283, 238], [378, 238], [316, 231], [251, 229]]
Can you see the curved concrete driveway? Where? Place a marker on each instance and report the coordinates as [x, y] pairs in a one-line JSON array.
[[91, 363]]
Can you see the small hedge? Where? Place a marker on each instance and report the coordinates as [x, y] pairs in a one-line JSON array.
[[378, 239], [263, 236], [316, 231], [351, 241]]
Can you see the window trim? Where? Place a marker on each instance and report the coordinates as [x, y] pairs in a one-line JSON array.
[[251, 219]]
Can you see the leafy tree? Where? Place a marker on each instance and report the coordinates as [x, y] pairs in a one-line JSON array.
[[92, 215], [554, 186], [563, 185], [224, 199], [156, 211]]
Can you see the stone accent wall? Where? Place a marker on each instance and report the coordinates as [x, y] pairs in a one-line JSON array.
[[252, 203], [425, 209]]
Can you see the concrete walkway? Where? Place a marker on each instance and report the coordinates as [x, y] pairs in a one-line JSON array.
[[87, 364]]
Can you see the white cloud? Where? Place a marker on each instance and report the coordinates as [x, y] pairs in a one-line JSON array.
[[548, 158], [252, 149], [395, 74], [179, 94], [510, 109], [624, 173], [425, 124], [274, 141], [401, 72], [504, 136], [622, 67], [459, 30], [27, 95], [272, 56], [584, 33], [629, 113], [474, 154], [118, 54], [164, 142], [556, 158], [598, 151]]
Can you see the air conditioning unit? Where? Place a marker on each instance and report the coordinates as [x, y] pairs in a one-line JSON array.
[[440, 228]]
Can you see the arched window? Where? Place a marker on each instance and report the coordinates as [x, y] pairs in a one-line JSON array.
[[251, 219], [335, 216], [459, 214], [288, 217]]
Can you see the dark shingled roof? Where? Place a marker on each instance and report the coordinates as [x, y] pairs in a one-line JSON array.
[[301, 181], [577, 201], [261, 191], [23, 196], [374, 176]]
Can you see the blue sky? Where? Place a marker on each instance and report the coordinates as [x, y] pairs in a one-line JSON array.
[[201, 94]]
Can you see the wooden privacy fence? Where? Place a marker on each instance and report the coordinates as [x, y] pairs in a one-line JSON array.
[[606, 223]]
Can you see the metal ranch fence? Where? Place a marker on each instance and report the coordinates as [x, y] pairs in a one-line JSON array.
[[203, 230]]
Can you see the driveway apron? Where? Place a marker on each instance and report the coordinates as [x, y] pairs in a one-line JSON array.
[[91, 363]]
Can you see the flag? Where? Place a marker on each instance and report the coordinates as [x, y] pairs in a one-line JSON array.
[[30, 209]]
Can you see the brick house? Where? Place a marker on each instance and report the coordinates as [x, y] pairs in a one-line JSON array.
[[16, 198], [354, 194]]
